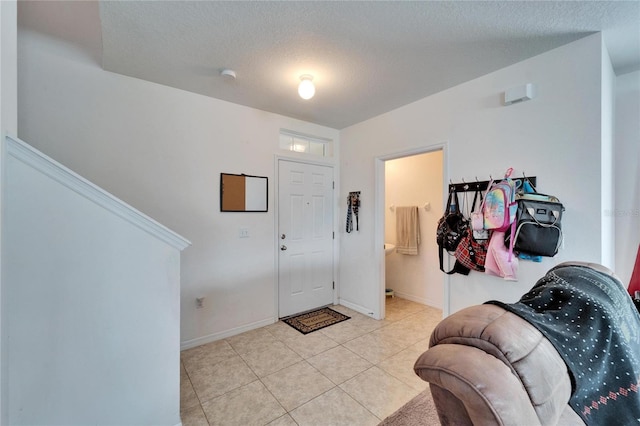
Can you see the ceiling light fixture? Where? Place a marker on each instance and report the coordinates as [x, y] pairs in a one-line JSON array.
[[306, 89]]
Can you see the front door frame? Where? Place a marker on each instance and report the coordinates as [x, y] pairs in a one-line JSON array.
[[276, 224]]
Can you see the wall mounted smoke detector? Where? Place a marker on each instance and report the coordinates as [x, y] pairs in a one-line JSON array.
[[519, 94]]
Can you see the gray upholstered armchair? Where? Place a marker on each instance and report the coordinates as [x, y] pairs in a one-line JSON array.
[[486, 365]]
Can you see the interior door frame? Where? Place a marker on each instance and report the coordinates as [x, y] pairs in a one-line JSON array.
[[276, 224], [378, 240]]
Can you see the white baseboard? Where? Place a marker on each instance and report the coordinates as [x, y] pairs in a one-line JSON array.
[[365, 311], [224, 334], [416, 299]]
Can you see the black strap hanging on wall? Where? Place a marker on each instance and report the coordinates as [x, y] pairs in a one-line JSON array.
[[353, 208]]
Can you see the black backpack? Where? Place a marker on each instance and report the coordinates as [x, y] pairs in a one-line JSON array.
[[452, 226]]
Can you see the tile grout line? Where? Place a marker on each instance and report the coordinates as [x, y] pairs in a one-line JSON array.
[[335, 385], [302, 358], [195, 393]]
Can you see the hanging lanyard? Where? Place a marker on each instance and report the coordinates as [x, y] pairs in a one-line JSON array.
[[349, 215], [353, 207]]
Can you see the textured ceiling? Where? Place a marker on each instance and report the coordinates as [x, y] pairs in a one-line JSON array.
[[367, 58]]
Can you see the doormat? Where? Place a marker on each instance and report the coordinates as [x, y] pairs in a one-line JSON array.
[[315, 320]]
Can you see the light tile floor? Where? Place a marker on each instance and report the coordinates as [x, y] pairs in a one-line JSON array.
[[356, 372]]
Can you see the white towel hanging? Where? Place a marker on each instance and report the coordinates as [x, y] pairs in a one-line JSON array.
[[407, 230]]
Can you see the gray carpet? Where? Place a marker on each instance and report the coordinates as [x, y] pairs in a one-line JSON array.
[[420, 411]]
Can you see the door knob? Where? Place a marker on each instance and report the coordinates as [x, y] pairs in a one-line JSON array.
[[283, 247]]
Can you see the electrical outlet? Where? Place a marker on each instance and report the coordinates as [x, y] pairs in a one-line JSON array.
[[243, 233], [199, 302]]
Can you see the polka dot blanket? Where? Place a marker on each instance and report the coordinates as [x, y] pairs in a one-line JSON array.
[[590, 319]]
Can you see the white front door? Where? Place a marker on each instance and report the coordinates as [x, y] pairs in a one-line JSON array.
[[305, 237]]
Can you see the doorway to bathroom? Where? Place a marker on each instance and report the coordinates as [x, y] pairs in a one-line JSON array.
[[411, 179]]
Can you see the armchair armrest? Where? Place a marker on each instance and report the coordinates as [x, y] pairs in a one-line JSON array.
[[487, 389], [488, 366]]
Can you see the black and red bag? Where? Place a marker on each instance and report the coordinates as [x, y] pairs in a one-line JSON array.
[[472, 253]]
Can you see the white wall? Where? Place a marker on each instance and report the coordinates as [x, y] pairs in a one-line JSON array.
[[8, 125], [162, 151], [91, 296], [555, 136], [627, 173], [608, 93], [8, 67], [414, 181], [103, 124]]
